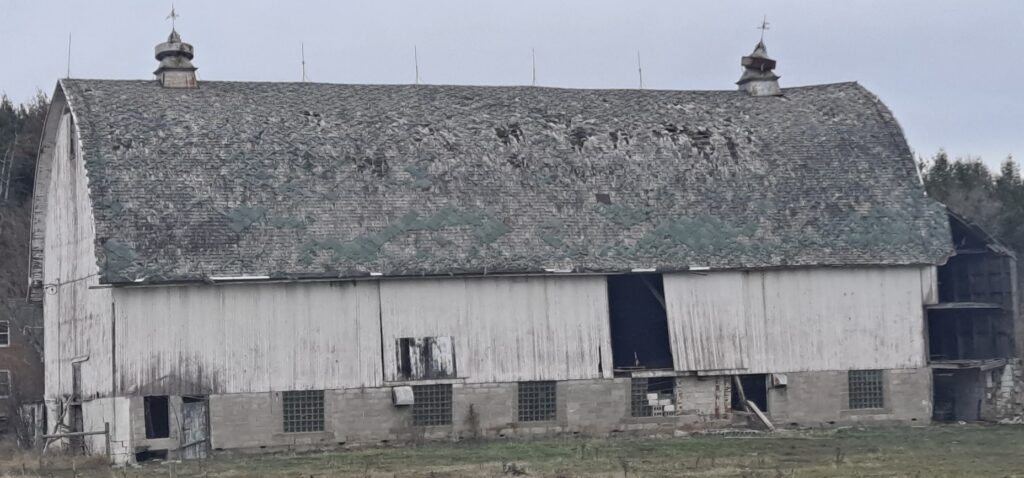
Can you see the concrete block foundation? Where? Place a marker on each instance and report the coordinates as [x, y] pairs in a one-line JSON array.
[[253, 422]]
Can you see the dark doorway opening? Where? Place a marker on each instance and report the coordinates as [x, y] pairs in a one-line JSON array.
[[158, 423], [755, 388], [639, 324], [957, 395], [148, 455]]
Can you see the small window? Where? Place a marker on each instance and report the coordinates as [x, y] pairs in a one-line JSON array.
[[71, 138], [537, 401], [652, 397], [865, 388], [432, 405], [158, 416], [5, 383], [303, 411], [5, 333], [426, 358]]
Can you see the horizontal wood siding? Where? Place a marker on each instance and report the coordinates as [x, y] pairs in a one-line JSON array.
[[248, 338], [799, 320], [505, 329]]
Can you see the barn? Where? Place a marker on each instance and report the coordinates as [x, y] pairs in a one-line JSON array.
[[244, 266]]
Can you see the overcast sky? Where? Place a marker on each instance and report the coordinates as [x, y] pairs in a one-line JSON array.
[[950, 70]]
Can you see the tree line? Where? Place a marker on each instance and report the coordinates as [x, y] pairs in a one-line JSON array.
[[21, 127], [992, 199]]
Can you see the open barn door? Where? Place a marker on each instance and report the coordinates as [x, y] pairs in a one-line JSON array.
[[707, 320], [636, 308]]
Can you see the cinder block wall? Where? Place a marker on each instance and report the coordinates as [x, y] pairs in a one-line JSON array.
[[1005, 396], [254, 421], [822, 399]]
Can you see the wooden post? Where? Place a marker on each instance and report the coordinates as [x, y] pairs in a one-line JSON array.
[[106, 436], [739, 390]]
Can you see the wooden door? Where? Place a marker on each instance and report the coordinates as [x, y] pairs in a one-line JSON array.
[[195, 432]]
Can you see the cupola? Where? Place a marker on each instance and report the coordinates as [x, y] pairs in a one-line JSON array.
[[758, 78], [176, 69]]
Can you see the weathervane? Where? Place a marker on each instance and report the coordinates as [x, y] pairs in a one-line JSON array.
[[173, 16], [764, 26]]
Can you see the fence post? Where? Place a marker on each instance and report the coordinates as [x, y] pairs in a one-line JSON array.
[[106, 436]]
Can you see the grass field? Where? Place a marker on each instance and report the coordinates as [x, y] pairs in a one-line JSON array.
[[938, 451]]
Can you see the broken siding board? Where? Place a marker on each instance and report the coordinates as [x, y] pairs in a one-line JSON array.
[[504, 329], [248, 338], [798, 320], [426, 358]]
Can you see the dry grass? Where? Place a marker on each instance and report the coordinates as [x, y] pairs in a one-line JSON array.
[[941, 451]]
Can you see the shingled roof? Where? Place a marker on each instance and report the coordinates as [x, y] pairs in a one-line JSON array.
[[298, 180]]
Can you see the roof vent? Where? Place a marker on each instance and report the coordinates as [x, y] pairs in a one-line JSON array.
[[758, 78], [176, 69]]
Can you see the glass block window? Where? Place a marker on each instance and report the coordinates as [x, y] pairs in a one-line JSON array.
[[537, 401], [638, 406], [432, 405], [303, 411], [652, 397], [865, 388]]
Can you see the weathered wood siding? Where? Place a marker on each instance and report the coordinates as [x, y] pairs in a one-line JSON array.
[[505, 329], [799, 320], [248, 338], [76, 319]]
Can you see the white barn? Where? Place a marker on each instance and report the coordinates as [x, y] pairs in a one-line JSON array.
[[232, 265]]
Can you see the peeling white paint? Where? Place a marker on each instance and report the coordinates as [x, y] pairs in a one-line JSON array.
[[505, 329], [76, 319], [248, 337], [799, 320]]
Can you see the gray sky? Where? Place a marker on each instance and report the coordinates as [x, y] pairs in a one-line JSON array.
[[950, 70]]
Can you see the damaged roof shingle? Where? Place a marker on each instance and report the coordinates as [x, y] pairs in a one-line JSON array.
[[320, 180]]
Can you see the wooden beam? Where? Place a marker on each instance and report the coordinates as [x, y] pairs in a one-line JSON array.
[[963, 306], [739, 390], [654, 291], [760, 416]]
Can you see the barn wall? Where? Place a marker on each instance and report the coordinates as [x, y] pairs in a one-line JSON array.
[[112, 412], [799, 320], [504, 329], [247, 338], [76, 319]]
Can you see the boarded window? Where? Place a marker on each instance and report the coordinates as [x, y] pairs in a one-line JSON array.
[[303, 411], [865, 387], [5, 333], [5, 384], [652, 397], [426, 358], [158, 416], [432, 405], [537, 401]]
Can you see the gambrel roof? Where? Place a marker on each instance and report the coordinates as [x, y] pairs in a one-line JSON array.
[[297, 180]]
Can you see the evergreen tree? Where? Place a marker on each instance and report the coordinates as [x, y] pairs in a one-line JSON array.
[[994, 201], [21, 128]]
